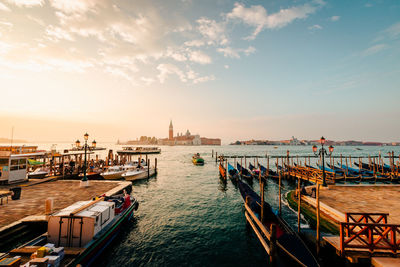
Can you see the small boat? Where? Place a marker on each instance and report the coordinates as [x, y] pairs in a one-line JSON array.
[[39, 173], [233, 173], [78, 234], [254, 172], [222, 171], [270, 172], [243, 172], [92, 173], [113, 172], [288, 241], [197, 160], [138, 173]]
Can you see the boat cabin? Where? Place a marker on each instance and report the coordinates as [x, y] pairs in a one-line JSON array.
[[78, 224], [13, 162]]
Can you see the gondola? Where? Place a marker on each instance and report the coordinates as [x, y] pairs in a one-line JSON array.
[[244, 173], [232, 172], [222, 171], [254, 172], [288, 242], [270, 172]]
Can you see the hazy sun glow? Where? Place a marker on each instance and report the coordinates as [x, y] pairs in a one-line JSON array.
[[228, 69]]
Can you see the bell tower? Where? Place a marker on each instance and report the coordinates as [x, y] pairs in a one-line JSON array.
[[171, 131]]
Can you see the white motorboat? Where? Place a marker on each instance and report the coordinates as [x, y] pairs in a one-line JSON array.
[[113, 172], [39, 173], [139, 173]]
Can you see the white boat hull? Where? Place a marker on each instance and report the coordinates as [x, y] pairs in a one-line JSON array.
[[140, 175], [112, 176]]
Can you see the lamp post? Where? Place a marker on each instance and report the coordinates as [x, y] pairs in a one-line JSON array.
[[84, 182], [322, 152]]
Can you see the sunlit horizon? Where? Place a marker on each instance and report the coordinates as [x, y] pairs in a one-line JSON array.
[[235, 70]]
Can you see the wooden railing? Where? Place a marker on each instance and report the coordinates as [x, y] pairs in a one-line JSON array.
[[369, 231], [310, 174]]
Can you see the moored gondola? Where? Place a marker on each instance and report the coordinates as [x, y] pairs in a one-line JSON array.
[[288, 242]]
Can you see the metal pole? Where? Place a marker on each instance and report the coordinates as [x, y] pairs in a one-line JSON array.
[[84, 164], [323, 166]]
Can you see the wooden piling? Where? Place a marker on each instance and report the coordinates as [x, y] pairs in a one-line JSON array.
[[280, 194], [216, 157], [317, 210], [212, 153], [272, 253], [155, 165], [298, 205], [148, 168], [262, 199]]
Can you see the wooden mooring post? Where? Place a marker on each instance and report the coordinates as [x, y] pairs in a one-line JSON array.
[[148, 168], [298, 205], [216, 157], [155, 165], [317, 209], [272, 243], [280, 194]]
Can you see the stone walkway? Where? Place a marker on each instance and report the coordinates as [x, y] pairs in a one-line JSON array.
[[64, 193], [364, 199]]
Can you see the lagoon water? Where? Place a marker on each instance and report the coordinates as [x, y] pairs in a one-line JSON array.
[[189, 217]]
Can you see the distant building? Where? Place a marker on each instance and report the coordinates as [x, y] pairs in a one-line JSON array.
[[187, 139]]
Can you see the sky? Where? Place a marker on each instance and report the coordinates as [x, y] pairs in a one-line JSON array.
[[236, 70]]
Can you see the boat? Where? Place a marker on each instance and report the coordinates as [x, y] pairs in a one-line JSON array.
[[39, 173], [128, 150], [197, 160], [267, 172], [138, 173], [232, 172], [113, 172], [254, 172], [288, 241], [92, 173], [78, 234], [222, 171], [243, 172]]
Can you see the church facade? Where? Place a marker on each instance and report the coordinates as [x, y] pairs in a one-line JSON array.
[[187, 139]]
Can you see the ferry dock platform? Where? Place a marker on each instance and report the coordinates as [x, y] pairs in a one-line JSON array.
[[28, 214], [367, 219]]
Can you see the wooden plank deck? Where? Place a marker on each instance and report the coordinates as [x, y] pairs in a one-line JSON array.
[[353, 254], [385, 262]]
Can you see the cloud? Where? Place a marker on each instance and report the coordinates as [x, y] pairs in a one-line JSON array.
[[256, 16], [373, 49], [235, 53], [26, 3], [199, 57], [3, 7], [196, 43], [393, 31], [212, 31], [335, 18], [147, 81], [57, 33], [229, 52], [74, 6], [226, 66], [315, 27], [167, 69]]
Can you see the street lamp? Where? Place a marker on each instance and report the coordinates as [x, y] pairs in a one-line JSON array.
[[84, 181], [322, 152]]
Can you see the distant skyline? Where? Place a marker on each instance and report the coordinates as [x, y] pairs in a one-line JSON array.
[[234, 70]]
